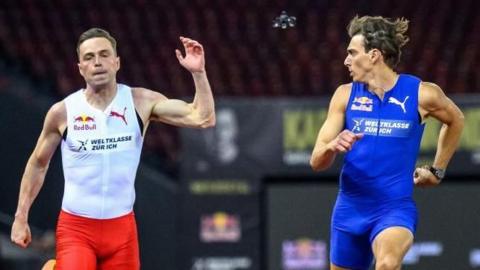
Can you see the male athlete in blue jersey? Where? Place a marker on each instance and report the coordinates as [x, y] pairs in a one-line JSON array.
[[378, 121]]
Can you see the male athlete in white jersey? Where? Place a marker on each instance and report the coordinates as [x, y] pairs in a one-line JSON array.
[[101, 129]]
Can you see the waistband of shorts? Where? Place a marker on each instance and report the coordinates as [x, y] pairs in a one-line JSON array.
[[67, 215]]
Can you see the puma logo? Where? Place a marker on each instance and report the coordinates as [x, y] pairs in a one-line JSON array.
[[396, 102], [121, 116]]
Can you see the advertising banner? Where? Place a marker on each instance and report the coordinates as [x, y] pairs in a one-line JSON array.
[[276, 137]]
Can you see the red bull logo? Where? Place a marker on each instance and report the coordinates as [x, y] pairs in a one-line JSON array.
[[363, 100], [220, 227], [303, 254], [84, 122], [362, 104]]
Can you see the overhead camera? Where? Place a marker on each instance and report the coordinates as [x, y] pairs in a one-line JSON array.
[[284, 21]]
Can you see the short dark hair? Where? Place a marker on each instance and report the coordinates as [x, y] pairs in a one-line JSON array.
[[384, 34], [95, 33]]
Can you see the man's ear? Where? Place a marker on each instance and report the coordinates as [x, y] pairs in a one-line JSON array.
[[118, 63], [375, 55], [80, 68]]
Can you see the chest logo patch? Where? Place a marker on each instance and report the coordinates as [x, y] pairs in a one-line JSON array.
[[362, 104], [397, 102], [119, 115], [84, 122], [382, 127]]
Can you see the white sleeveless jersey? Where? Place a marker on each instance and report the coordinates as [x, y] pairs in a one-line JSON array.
[[100, 154]]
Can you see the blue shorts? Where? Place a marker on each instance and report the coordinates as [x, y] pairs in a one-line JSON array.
[[353, 250]]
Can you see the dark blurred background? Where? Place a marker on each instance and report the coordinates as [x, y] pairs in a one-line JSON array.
[[240, 195]]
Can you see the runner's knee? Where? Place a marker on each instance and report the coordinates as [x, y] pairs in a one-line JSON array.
[[388, 262]]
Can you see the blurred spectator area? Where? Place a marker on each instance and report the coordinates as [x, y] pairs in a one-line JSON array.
[[245, 55]]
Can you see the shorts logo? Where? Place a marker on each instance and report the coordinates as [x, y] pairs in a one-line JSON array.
[[84, 122], [362, 104]]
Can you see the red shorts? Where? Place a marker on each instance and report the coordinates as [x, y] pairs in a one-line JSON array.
[[97, 244]]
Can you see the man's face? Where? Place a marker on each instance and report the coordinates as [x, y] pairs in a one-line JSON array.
[[358, 61], [98, 62]]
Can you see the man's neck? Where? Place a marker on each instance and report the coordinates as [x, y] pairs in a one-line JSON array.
[[382, 81], [101, 97]]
